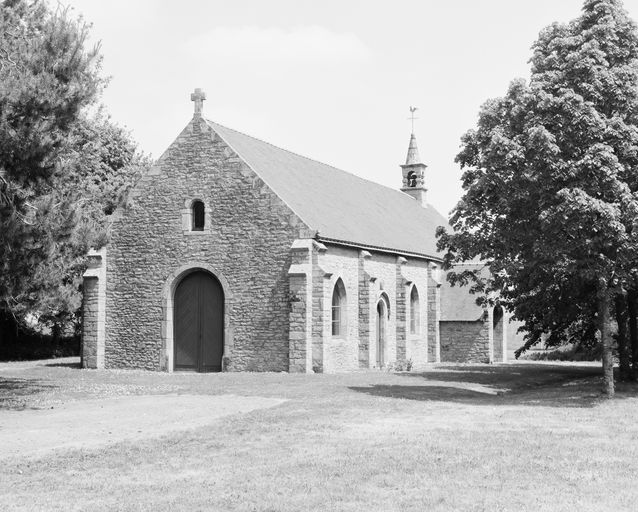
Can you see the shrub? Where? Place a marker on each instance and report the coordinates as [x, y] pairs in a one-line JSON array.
[[568, 353]]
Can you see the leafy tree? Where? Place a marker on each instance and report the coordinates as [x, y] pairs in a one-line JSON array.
[[96, 172], [550, 183], [61, 170]]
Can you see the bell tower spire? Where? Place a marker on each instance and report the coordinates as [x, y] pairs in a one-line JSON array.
[[414, 170]]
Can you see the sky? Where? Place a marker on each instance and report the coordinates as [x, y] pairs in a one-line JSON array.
[[332, 80]]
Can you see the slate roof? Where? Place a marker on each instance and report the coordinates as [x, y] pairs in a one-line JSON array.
[[341, 207], [457, 303]]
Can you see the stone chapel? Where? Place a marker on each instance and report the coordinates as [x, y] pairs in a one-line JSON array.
[[232, 254]]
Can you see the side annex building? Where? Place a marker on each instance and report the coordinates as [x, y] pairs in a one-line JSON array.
[[235, 255]]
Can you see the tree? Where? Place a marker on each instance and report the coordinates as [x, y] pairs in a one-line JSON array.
[[97, 170], [61, 169], [550, 183]]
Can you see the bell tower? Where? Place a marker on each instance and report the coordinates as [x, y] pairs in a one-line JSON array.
[[414, 170]]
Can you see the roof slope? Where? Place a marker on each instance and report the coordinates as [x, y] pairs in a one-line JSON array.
[[340, 206]]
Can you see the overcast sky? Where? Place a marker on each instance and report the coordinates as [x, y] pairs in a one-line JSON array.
[[329, 79]]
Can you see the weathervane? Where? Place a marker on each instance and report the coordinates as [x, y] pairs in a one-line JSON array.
[[412, 118]]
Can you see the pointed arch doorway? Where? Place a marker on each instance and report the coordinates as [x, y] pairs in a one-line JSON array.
[[198, 322], [382, 327]]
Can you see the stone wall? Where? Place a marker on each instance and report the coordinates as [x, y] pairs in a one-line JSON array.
[[248, 243], [300, 317], [379, 270], [499, 354], [318, 327], [402, 310], [465, 342], [366, 315], [298, 320], [340, 355], [90, 323], [368, 276], [415, 274], [434, 315], [335, 262], [94, 311]]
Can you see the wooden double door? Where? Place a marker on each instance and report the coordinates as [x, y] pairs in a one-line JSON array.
[[198, 323]]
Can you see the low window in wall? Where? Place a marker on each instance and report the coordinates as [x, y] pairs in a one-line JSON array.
[[415, 312], [198, 215], [339, 315]]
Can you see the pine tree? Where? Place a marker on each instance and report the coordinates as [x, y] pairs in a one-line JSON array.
[[61, 170], [98, 169]]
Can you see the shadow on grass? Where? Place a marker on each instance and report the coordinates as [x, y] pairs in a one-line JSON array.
[[16, 394], [493, 385], [515, 377]]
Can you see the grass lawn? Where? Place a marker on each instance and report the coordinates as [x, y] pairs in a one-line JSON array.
[[528, 436]]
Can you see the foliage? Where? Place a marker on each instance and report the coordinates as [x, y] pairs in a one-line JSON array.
[[404, 365], [46, 78], [550, 198], [29, 345], [98, 169], [569, 353], [61, 169]]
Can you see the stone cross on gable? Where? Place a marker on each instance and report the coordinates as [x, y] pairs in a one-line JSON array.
[[198, 97]]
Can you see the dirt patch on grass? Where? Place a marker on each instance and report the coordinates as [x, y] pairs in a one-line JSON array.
[[92, 423]]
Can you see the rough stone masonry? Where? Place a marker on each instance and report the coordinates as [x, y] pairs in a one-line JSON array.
[[279, 234]]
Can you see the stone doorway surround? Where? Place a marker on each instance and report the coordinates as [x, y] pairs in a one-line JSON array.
[[383, 309], [168, 295]]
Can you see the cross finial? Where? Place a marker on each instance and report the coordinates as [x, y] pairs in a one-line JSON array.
[[412, 118], [198, 97]]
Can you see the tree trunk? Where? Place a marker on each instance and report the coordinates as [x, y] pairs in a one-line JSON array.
[[632, 306], [624, 348], [604, 327]]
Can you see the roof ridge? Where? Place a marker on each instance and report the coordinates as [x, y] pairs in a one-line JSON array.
[[311, 159]]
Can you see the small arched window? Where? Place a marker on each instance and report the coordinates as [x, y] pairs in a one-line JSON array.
[[339, 309], [415, 312], [198, 215], [411, 179]]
